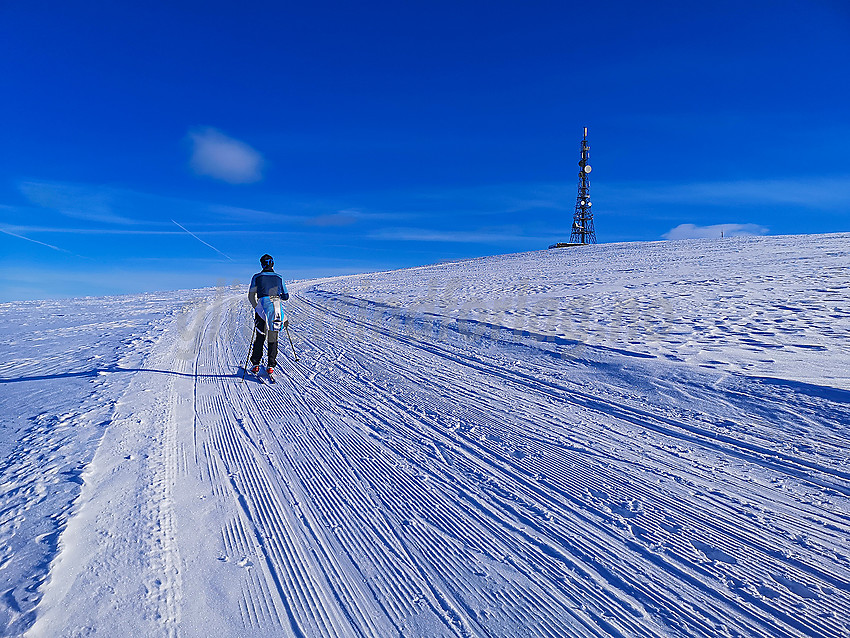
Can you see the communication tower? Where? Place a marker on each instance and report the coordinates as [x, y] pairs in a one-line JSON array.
[[583, 231]]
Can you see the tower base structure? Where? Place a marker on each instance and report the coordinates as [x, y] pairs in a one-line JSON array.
[[564, 244]]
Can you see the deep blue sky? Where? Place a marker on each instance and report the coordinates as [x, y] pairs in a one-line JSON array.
[[350, 137]]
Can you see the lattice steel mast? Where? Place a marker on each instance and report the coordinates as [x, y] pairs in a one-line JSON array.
[[583, 231]]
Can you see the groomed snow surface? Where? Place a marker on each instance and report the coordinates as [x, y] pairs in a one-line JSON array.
[[613, 440]]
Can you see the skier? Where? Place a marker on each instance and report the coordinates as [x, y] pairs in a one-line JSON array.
[[265, 295]]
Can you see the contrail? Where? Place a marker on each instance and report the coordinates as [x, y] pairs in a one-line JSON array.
[[202, 241], [35, 241]]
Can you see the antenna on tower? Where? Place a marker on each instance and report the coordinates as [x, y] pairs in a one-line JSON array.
[[583, 231]]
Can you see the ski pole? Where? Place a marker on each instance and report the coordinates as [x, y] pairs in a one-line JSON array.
[[250, 347], [286, 327]]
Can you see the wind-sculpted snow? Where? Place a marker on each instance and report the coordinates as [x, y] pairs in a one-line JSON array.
[[623, 440], [762, 306], [64, 368]]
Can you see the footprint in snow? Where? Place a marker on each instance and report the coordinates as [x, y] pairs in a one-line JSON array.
[[597, 494], [627, 509], [671, 526], [796, 588], [714, 553], [768, 592]]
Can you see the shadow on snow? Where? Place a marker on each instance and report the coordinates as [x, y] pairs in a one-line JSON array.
[[116, 369]]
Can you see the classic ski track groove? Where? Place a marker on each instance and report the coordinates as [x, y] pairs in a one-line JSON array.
[[379, 496], [325, 309], [701, 435]]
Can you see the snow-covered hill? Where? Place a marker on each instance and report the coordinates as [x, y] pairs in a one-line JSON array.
[[615, 440]]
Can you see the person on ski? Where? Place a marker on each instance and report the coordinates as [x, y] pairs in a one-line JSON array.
[[266, 293]]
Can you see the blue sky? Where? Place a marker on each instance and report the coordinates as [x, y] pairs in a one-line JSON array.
[[162, 145]]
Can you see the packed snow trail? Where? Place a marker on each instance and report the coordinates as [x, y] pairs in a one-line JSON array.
[[439, 474], [64, 366]]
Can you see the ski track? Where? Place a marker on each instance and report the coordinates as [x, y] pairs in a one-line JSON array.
[[394, 485], [429, 469]]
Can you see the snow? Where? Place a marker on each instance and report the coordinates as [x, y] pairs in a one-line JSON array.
[[615, 440]]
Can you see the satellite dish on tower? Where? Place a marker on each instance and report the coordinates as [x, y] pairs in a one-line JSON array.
[[583, 231]]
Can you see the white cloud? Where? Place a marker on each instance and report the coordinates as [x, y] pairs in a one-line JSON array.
[[251, 215], [341, 218], [825, 193], [692, 231], [124, 211], [89, 203], [216, 155], [471, 237]]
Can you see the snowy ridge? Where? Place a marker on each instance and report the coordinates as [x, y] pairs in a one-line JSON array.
[[447, 460]]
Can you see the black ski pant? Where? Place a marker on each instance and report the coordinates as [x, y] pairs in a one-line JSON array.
[[257, 350]]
